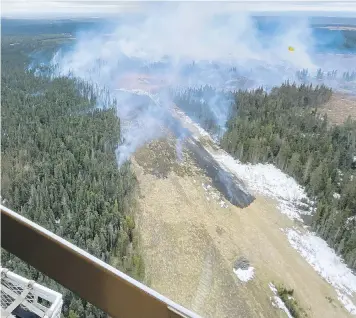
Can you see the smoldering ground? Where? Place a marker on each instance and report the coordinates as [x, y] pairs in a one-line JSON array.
[[184, 45]]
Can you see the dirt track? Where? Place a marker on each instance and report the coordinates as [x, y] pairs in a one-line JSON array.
[[190, 244]]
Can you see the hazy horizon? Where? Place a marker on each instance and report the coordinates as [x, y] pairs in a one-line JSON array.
[[31, 9]]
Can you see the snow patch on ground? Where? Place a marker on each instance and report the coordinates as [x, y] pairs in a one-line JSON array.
[[268, 180], [350, 219], [278, 302], [336, 195], [245, 275], [330, 266], [211, 193], [199, 131]]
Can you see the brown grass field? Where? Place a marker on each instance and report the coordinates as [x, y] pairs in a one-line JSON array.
[[339, 108], [190, 243]]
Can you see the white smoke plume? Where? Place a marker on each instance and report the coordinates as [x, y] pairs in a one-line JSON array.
[[177, 35]]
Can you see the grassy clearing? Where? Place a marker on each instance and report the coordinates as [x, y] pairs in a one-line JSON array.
[[159, 158]]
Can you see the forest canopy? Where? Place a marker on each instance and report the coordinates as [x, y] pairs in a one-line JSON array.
[[59, 169]]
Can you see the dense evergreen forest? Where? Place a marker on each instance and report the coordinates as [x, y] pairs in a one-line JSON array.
[[59, 169], [285, 128]]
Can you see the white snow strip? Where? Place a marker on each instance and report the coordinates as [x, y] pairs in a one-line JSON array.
[[265, 179], [245, 274], [268, 180], [273, 288], [278, 302], [200, 132], [330, 266]]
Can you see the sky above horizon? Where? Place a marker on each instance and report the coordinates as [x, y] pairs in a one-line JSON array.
[[102, 8]]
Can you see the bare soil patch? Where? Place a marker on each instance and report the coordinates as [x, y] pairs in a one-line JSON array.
[[339, 108]]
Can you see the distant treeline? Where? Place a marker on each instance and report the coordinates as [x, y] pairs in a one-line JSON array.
[[33, 27], [285, 128], [350, 39], [305, 76], [59, 169], [206, 106], [336, 39]]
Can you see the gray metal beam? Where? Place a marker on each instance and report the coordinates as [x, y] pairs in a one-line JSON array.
[[90, 278]]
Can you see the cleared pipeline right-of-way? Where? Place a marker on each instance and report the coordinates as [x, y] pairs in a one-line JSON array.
[[232, 188], [229, 185]]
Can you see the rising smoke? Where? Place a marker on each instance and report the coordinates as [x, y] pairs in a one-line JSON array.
[[189, 44]]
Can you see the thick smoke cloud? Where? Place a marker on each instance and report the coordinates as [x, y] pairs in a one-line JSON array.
[[210, 36]]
